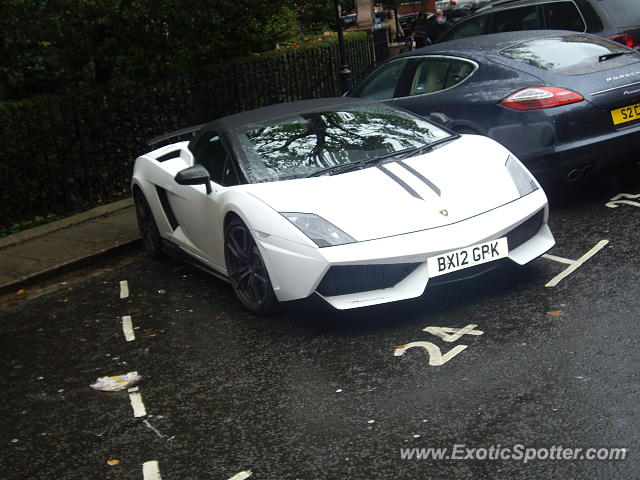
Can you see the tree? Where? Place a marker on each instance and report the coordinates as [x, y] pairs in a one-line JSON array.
[[55, 45], [318, 16]]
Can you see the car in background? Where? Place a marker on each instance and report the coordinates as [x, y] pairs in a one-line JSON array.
[[445, 5], [565, 103], [352, 200], [617, 20], [454, 15], [349, 20], [406, 22]]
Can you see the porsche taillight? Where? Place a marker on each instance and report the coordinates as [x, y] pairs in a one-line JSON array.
[[627, 39], [540, 97]]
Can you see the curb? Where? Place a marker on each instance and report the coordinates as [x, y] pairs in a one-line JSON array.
[[71, 265], [65, 222]]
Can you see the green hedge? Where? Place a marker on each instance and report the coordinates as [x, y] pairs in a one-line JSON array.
[[64, 154]]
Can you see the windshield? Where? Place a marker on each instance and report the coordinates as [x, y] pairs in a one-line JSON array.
[[569, 54], [299, 145]]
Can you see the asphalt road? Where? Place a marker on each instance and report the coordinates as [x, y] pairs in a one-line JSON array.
[[314, 393]]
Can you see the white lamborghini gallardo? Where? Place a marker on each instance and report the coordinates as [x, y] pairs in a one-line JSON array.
[[355, 201]]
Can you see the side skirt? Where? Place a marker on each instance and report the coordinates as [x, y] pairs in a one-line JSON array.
[[179, 254]]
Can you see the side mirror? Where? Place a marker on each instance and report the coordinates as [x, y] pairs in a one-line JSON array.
[[196, 175], [439, 118]]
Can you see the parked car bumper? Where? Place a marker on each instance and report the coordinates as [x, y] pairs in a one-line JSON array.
[[587, 156]]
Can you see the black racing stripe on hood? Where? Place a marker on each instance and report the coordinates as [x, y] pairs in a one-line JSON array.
[[400, 182], [424, 179]]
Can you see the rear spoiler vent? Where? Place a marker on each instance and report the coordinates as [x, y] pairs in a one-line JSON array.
[[173, 135]]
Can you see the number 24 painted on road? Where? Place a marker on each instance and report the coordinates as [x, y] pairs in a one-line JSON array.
[[616, 201], [436, 358]]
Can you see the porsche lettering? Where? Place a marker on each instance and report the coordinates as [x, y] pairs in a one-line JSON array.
[[623, 75]]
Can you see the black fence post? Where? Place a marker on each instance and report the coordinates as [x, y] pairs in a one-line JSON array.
[[345, 72]]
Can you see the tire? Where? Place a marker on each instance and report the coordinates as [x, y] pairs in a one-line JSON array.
[[246, 269], [147, 226]]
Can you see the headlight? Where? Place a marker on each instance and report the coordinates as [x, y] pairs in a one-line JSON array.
[[321, 232], [524, 181]]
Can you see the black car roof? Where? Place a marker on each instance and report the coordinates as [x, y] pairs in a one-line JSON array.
[[482, 44], [270, 112]]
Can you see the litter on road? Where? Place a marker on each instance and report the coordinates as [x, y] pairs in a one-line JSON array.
[[116, 382]]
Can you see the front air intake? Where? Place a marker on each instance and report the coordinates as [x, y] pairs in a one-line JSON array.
[[525, 231], [345, 279]]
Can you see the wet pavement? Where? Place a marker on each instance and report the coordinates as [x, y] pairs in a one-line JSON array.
[[314, 393]]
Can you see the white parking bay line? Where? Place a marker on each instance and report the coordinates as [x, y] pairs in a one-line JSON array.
[[124, 289], [573, 264], [151, 470], [136, 402], [127, 328], [558, 259], [242, 475]]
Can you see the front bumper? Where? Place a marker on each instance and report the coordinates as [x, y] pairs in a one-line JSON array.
[[297, 271]]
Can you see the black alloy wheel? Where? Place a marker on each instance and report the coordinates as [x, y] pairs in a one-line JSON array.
[[147, 225], [246, 269]]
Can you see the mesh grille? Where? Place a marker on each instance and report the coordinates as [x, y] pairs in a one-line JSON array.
[[345, 279], [525, 230]]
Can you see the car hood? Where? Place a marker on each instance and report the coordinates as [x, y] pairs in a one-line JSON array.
[[455, 181]]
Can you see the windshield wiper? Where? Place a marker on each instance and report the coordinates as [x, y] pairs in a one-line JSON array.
[[341, 167], [608, 56], [345, 167], [405, 153], [429, 146]]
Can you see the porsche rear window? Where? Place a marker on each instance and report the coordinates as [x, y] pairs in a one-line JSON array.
[[569, 55]]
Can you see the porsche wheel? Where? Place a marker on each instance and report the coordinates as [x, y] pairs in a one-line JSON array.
[[246, 269], [147, 226]]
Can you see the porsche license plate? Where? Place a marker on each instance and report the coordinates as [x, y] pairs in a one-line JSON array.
[[625, 114], [467, 257]]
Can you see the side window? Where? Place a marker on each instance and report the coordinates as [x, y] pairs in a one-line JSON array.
[[515, 19], [212, 153], [382, 84], [563, 16], [458, 71], [435, 74], [469, 28]]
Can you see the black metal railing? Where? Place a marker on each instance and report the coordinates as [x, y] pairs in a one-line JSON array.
[[63, 154]]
